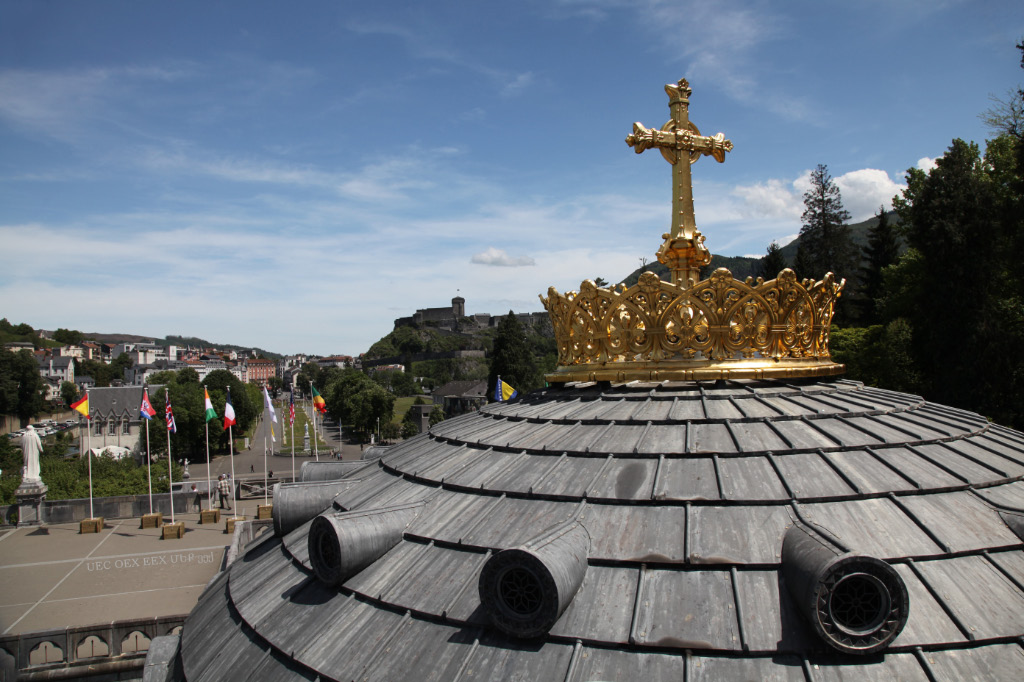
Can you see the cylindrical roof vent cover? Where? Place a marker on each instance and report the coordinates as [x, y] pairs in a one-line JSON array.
[[526, 589], [855, 603]]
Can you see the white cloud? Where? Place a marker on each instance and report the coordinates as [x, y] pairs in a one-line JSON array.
[[517, 85], [926, 164], [493, 256], [770, 199], [863, 191]]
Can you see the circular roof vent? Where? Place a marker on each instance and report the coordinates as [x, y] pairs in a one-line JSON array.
[[525, 590]]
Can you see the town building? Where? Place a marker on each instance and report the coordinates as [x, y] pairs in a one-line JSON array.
[[259, 370]]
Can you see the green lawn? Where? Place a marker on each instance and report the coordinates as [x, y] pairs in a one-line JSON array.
[[402, 406]]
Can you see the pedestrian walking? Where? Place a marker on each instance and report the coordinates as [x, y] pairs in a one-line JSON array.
[[252, 468], [197, 499]]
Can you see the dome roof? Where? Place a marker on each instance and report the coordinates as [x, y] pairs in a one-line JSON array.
[[677, 530]]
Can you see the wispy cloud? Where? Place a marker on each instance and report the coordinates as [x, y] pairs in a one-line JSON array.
[[499, 257]]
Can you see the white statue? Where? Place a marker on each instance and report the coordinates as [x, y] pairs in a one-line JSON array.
[[31, 446]]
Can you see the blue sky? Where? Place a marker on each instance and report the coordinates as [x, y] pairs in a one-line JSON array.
[[295, 176]]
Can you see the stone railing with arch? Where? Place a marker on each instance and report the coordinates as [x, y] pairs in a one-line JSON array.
[[119, 645]]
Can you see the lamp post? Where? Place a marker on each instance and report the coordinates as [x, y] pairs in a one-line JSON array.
[[378, 430]]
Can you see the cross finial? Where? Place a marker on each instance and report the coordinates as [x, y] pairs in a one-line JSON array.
[[681, 143]]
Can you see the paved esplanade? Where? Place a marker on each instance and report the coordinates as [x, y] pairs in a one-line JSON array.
[[55, 577]]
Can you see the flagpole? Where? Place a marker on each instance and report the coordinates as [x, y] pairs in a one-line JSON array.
[[170, 469], [231, 454], [316, 445], [209, 491], [264, 468], [149, 469], [291, 420], [91, 514]]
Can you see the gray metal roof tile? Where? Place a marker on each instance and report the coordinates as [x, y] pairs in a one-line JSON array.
[[749, 478], [711, 437], [603, 608], [867, 471], [756, 437], [873, 526], [687, 478], [636, 533], [916, 468], [770, 620], [995, 662], [687, 609], [777, 669], [809, 475], [1007, 495], [740, 535], [980, 596], [609, 664], [927, 621], [625, 479], [902, 667], [960, 520]]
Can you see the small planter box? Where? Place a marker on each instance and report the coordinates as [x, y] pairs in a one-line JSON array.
[[154, 520], [229, 525], [91, 525], [174, 530], [209, 516], [265, 511]]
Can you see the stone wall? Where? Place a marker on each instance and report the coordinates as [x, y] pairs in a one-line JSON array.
[[119, 507]]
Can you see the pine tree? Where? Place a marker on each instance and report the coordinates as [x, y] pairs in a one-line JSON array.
[[511, 358], [772, 263], [824, 237], [881, 252]]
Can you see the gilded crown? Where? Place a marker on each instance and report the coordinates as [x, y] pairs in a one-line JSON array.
[[718, 328]]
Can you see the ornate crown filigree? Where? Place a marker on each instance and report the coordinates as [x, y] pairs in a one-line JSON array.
[[719, 328]]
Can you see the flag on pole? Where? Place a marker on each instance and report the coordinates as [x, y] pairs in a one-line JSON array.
[[272, 438], [171, 426], [146, 410], [269, 406], [210, 412], [82, 405], [229, 412], [318, 401], [503, 391], [291, 408]]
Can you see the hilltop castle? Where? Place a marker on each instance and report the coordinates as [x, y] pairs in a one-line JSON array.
[[455, 318]]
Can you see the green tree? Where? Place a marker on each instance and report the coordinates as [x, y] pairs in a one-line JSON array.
[[21, 387], [217, 382], [967, 302], [309, 374], [339, 394], [68, 392], [275, 384], [71, 337], [881, 252], [824, 236], [512, 359], [368, 406], [772, 263]]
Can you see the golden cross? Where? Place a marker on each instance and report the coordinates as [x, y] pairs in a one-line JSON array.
[[681, 143]]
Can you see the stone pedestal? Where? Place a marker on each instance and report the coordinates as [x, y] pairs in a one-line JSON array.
[[173, 531], [265, 511], [229, 525], [154, 520], [91, 525], [30, 496], [209, 516], [305, 444]]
